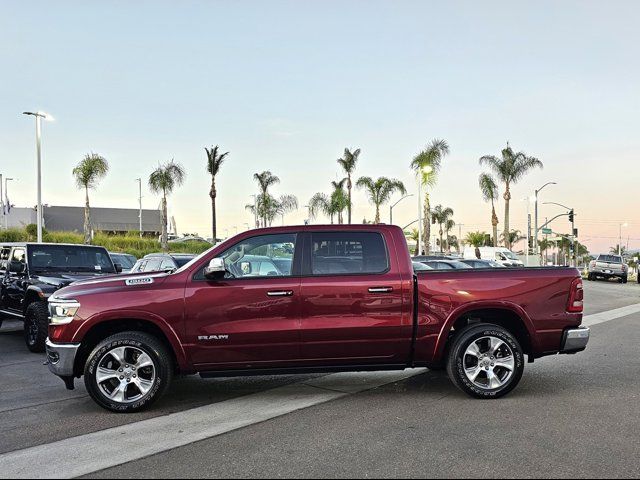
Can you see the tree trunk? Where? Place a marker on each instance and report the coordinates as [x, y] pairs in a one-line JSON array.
[[164, 240], [349, 191], [377, 214], [507, 236], [427, 224], [441, 244], [494, 222], [214, 227], [87, 218]]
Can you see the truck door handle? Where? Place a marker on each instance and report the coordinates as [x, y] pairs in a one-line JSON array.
[[381, 290], [280, 293]]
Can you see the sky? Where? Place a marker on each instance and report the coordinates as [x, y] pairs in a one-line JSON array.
[[285, 86]]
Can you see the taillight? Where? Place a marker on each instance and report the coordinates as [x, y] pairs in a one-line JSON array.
[[576, 297]]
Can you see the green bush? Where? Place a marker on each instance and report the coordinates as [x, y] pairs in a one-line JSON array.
[[130, 243]]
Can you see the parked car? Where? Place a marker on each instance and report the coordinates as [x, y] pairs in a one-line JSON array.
[[608, 266], [31, 272], [481, 263], [446, 265], [125, 260], [424, 258], [351, 301], [419, 266], [162, 262], [501, 255]]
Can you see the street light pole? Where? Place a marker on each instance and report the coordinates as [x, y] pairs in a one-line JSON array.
[[625, 225], [391, 207], [7, 207], [419, 215], [571, 214], [535, 238], [39, 116], [139, 180]]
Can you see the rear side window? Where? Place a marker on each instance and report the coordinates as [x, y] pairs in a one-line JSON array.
[[348, 253], [4, 258], [610, 258]]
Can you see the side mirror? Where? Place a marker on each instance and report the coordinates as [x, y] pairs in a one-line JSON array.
[[215, 270], [118, 267], [17, 267]]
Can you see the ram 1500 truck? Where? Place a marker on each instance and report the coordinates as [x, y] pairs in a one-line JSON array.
[[310, 299]]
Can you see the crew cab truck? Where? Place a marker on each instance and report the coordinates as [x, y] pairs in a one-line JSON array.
[[310, 299], [31, 272]]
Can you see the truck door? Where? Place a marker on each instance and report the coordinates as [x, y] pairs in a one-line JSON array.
[[13, 281], [251, 318], [355, 308]]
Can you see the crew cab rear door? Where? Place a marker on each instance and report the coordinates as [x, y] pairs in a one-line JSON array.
[[251, 318], [354, 309]]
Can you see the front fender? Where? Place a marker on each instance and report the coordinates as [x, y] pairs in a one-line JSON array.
[[139, 315]]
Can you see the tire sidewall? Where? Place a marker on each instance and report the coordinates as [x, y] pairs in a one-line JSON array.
[[161, 378], [457, 360], [37, 312]]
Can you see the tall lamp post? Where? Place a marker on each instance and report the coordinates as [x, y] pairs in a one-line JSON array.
[[571, 213], [625, 225], [535, 238], [46, 116], [139, 180], [391, 207]]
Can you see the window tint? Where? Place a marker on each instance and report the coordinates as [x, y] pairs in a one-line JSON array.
[[152, 265], [4, 258], [346, 253], [610, 258], [262, 256]]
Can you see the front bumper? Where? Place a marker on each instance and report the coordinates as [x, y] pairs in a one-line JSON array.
[[575, 340], [61, 357]]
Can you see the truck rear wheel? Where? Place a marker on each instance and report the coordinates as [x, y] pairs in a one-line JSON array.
[[128, 371], [36, 326], [485, 361]]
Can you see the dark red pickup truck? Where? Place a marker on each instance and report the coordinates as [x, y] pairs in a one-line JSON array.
[[310, 299]]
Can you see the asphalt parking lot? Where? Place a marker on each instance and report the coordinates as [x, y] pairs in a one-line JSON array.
[[572, 416]]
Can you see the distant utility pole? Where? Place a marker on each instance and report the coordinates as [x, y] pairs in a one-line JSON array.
[[139, 180]]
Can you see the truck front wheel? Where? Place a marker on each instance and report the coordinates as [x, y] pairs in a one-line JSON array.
[[128, 371], [36, 326], [485, 361]]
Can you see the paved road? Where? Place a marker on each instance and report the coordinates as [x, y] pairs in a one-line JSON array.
[[571, 416]]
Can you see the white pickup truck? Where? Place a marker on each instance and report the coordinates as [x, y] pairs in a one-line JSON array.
[[609, 266]]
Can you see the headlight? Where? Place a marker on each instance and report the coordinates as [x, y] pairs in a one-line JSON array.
[[62, 312]]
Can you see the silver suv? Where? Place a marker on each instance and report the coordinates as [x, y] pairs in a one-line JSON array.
[[609, 266]]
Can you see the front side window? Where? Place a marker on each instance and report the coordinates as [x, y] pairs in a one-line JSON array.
[[4, 258], [348, 253], [152, 265], [262, 256]]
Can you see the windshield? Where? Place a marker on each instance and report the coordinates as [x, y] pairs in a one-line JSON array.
[[126, 261], [69, 258], [510, 255]]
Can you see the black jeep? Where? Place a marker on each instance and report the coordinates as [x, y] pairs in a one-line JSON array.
[[31, 272]]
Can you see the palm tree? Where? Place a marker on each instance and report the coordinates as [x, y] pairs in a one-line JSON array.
[[332, 205], [163, 180], [618, 249], [214, 162], [265, 180], [448, 226], [427, 165], [544, 245], [281, 206], [87, 173], [514, 237], [380, 190], [348, 163], [489, 190], [476, 239], [413, 236], [441, 216], [510, 169]]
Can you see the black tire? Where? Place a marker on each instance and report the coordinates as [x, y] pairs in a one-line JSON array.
[[133, 342], [36, 326], [625, 279], [456, 361]]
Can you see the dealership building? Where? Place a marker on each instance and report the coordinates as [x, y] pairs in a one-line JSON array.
[[71, 219]]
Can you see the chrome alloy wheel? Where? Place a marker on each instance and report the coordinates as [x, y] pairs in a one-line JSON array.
[[125, 374], [489, 363]]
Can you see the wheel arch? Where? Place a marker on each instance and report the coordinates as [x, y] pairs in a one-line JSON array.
[[511, 317], [93, 334]]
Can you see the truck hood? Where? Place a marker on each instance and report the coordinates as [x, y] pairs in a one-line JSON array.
[[111, 283], [60, 280]]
